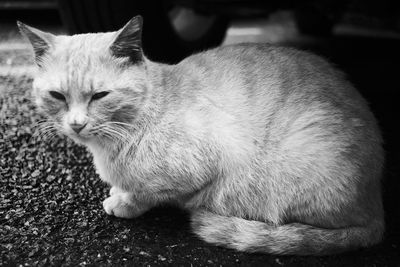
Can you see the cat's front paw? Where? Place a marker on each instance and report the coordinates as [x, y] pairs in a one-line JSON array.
[[115, 190], [120, 205]]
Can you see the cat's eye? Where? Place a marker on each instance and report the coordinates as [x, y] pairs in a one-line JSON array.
[[99, 95], [57, 95]]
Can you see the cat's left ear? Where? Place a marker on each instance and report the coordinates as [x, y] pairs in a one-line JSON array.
[[41, 41], [128, 42]]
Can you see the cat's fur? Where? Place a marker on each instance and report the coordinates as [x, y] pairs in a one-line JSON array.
[[269, 148]]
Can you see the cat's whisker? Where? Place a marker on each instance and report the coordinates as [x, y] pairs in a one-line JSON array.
[[120, 123], [45, 130], [50, 136], [116, 132], [44, 126], [48, 133], [106, 131], [123, 129], [127, 133], [42, 129], [97, 130], [39, 123]]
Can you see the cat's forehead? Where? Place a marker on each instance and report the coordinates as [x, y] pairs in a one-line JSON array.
[[81, 80], [79, 49], [85, 43], [79, 61]]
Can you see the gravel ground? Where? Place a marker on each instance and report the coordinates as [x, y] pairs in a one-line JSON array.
[[50, 196]]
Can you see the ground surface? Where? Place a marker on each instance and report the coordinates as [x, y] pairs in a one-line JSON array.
[[50, 196]]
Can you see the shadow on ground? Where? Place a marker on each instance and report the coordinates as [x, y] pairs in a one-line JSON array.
[[50, 196]]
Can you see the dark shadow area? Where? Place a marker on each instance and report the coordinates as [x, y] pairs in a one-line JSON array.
[[34, 17]]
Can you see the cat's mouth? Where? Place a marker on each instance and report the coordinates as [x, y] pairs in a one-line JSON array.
[[85, 138], [81, 138]]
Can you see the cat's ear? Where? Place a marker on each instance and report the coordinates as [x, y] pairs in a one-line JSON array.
[[128, 42], [41, 41]]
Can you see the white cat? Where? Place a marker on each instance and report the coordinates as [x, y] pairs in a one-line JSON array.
[[269, 148]]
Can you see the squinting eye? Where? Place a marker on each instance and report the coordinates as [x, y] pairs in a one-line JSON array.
[[99, 95], [57, 95]]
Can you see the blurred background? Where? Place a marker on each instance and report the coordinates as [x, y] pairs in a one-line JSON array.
[[174, 29], [361, 37]]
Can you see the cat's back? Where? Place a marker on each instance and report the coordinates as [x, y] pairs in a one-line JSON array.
[[259, 78], [266, 91], [258, 69]]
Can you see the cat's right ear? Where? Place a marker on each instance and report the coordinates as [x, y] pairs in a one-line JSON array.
[[40, 41]]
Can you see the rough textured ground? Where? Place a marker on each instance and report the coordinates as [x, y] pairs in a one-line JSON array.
[[50, 196]]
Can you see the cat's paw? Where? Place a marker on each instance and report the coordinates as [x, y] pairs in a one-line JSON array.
[[120, 205], [115, 190]]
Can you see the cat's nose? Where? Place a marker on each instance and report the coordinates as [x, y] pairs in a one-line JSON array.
[[77, 127]]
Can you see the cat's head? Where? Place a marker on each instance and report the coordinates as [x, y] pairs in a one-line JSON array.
[[91, 85]]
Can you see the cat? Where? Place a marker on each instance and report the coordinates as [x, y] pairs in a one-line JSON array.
[[269, 148]]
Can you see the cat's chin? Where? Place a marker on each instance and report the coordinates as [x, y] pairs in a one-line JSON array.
[[86, 140], [79, 139]]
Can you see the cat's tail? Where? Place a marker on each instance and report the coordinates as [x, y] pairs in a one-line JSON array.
[[293, 238]]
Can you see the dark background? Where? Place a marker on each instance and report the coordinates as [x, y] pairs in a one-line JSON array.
[[50, 197]]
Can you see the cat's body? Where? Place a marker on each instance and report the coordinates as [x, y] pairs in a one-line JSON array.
[[269, 148]]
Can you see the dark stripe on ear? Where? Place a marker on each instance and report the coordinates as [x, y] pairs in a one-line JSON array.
[[41, 41], [128, 42]]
